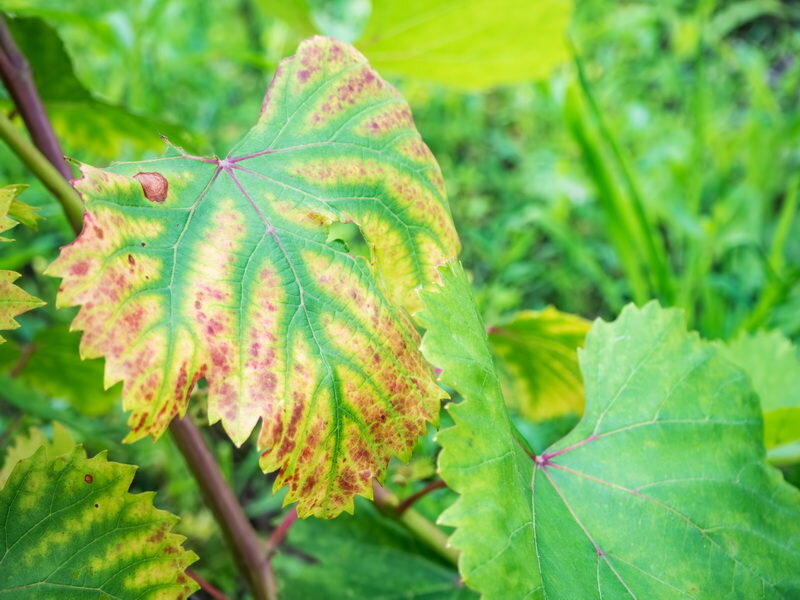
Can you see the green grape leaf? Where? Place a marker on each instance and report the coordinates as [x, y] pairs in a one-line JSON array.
[[191, 267], [537, 354], [660, 491], [367, 555], [480, 458], [72, 530], [76, 113], [772, 363], [470, 44]]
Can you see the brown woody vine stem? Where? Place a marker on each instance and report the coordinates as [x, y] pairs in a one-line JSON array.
[[18, 79], [49, 167], [242, 540]]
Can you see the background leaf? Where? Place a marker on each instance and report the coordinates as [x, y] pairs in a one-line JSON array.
[[772, 363], [72, 530], [468, 44], [192, 268], [84, 122], [367, 555], [537, 354]]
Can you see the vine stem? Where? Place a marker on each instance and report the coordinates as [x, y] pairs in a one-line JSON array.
[[18, 79], [239, 534], [422, 528], [44, 171]]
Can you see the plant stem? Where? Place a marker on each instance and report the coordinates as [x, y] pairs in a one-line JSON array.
[[422, 528], [206, 587], [18, 79], [409, 502], [280, 532], [44, 171], [242, 540]]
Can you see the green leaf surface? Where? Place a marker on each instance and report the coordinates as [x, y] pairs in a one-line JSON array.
[[192, 267], [537, 354], [72, 531], [660, 491], [480, 458], [366, 555], [77, 114], [773, 365], [469, 44]]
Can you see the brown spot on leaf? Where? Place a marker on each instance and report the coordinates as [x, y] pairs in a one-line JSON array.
[[154, 185], [88, 478]]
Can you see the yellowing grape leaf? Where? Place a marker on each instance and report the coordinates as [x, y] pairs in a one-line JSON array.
[[13, 299], [537, 354], [191, 267], [71, 530]]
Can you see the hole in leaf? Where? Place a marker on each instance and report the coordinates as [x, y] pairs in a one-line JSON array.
[[350, 235]]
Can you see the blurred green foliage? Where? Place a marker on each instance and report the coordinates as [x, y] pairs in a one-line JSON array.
[[669, 170]]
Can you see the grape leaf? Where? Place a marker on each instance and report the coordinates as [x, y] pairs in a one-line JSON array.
[[469, 44], [660, 491], [13, 212], [72, 530], [772, 363], [13, 299], [192, 267], [366, 555], [538, 361]]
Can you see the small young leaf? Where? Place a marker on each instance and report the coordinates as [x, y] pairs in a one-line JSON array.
[[72, 530], [772, 363], [537, 354], [661, 490], [12, 211], [469, 44], [193, 267], [13, 301]]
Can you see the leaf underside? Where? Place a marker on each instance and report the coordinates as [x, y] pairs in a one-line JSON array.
[[661, 491], [72, 531], [191, 267]]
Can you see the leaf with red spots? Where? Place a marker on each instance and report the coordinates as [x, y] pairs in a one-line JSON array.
[[13, 299], [661, 491], [72, 530], [222, 269]]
